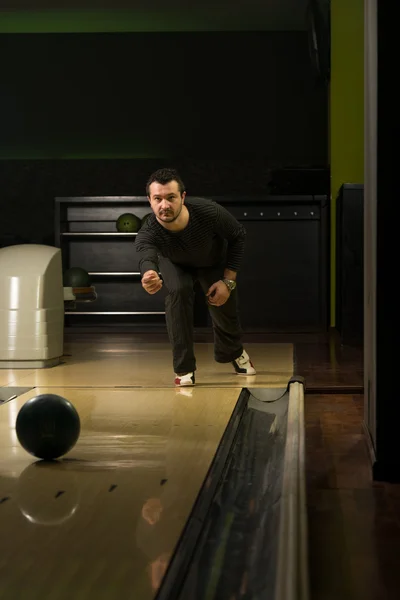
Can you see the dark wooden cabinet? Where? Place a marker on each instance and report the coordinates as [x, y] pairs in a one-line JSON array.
[[350, 263], [282, 285]]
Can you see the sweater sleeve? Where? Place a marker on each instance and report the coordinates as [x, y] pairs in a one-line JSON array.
[[147, 251], [228, 227]]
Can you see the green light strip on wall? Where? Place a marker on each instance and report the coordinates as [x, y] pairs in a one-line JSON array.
[[89, 156], [119, 21]]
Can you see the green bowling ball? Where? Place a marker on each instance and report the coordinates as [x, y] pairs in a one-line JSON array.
[[144, 219], [76, 277], [128, 223]]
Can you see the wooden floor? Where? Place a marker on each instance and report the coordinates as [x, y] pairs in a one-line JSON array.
[[103, 522], [354, 523], [135, 361]]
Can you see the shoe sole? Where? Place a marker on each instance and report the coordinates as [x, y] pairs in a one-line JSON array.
[[245, 374]]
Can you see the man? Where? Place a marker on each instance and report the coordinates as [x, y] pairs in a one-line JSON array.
[[187, 240]]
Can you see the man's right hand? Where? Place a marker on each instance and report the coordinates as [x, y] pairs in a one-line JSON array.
[[151, 282]]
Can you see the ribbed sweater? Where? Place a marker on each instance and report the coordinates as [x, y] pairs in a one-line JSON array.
[[211, 235]]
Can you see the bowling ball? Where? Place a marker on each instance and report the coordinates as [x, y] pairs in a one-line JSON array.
[[128, 223], [76, 278], [48, 426], [144, 219]]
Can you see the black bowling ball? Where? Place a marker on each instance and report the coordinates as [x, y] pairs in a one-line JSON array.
[[48, 426]]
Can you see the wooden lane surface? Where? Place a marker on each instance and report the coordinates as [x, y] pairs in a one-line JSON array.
[[102, 523], [128, 363]]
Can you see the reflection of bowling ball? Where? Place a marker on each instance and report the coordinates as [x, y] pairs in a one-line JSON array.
[[48, 426], [47, 493]]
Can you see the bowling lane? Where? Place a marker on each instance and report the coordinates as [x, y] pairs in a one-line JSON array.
[[7, 376], [113, 364], [102, 523]]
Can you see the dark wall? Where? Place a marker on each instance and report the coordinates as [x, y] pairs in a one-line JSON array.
[[157, 94], [224, 107]]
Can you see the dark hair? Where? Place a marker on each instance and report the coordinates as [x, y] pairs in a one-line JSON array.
[[164, 176]]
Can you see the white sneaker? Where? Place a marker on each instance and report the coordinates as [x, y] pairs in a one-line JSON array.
[[243, 365], [182, 380]]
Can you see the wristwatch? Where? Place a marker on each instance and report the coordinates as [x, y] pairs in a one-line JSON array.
[[230, 284]]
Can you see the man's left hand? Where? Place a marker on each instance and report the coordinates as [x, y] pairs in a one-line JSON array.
[[218, 294]]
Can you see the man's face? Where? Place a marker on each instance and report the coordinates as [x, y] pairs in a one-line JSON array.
[[166, 201]]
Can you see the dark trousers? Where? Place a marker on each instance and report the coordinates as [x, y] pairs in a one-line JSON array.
[[179, 302]]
